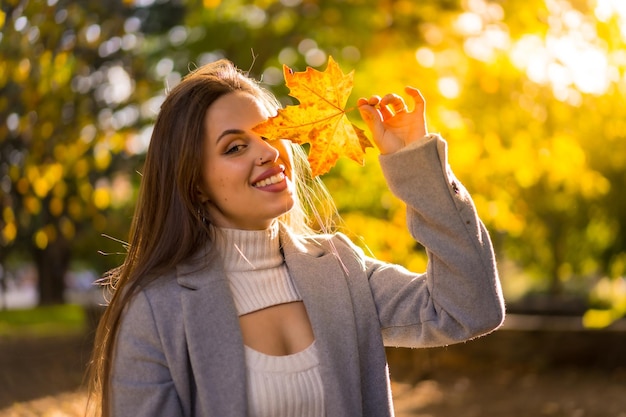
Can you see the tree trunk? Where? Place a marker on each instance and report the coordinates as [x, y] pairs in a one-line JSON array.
[[3, 285], [52, 265]]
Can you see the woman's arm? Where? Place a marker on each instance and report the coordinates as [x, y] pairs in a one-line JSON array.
[[459, 297]]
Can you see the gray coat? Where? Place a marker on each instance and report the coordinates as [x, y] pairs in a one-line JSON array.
[[180, 351]]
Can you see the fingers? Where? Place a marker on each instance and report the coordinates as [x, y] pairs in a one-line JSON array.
[[369, 113], [381, 109], [392, 102], [416, 96], [372, 101]]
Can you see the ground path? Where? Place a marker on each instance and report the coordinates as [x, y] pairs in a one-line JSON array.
[[532, 373]]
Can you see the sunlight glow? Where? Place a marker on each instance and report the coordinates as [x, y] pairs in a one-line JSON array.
[[483, 29], [572, 59], [119, 86], [425, 56], [449, 87], [138, 143], [606, 9]]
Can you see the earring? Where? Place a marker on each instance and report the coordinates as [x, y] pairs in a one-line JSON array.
[[201, 216]]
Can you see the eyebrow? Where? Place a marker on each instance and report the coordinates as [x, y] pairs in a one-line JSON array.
[[229, 132]]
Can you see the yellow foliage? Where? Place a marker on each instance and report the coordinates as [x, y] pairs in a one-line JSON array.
[[41, 239], [116, 142], [81, 168], [22, 185], [22, 71], [9, 232], [43, 87], [598, 319], [618, 269], [464, 153], [3, 73], [56, 206], [284, 21], [211, 4], [264, 4], [521, 158], [32, 173], [102, 156], [66, 226], [102, 198], [386, 240], [501, 213], [54, 173], [489, 84], [75, 208], [612, 293], [60, 189], [85, 190], [40, 187], [46, 129], [32, 205], [45, 178], [14, 172], [593, 184], [7, 215], [566, 156]]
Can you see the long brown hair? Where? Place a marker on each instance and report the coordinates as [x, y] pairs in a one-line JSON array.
[[169, 223]]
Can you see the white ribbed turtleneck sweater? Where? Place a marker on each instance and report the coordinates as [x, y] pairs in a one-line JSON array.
[[255, 268], [278, 386]]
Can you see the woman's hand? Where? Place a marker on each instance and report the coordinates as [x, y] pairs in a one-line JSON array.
[[392, 125]]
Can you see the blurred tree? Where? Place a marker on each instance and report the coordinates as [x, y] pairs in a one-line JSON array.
[[80, 81], [549, 170], [67, 74], [261, 35], [529, 98], [527, 93]]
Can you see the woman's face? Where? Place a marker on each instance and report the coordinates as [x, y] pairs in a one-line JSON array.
[[248, 179]]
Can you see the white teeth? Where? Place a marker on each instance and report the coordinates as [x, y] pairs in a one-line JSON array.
[[271, 180]]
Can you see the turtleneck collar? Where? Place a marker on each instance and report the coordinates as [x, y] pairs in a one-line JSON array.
[[248, 250]]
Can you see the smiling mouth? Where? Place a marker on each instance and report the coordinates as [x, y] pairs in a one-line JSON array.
[[274, 179]]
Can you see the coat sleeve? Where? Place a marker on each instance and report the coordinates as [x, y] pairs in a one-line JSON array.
[[141, 383], [459, 296]]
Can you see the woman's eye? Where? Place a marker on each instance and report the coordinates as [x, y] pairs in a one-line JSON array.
[[234, 148]]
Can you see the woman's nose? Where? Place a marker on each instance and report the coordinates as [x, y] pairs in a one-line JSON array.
[[267, 153]]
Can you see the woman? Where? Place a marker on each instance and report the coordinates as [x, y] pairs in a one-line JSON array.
[[228, 305]]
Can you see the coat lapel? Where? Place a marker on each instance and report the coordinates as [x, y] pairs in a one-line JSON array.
[[216, 353], [320, 279]]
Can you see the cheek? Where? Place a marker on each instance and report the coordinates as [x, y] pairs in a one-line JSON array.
[[214, 184], [224, 182], [286, 154], [216, 187]]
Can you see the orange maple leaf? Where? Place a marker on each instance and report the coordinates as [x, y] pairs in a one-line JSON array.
[[320, 118]]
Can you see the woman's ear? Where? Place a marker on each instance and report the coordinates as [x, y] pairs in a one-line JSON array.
[[202, 195]]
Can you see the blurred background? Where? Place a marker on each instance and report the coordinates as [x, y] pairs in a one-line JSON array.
[[529, 94]]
